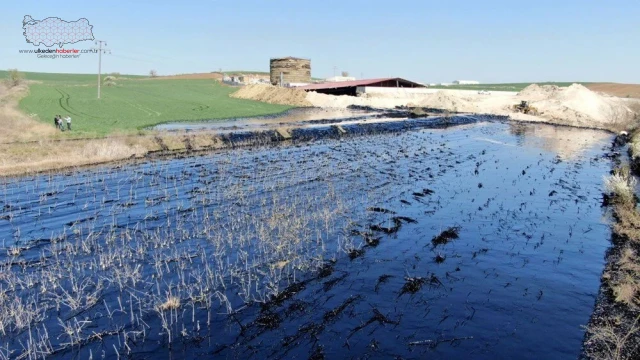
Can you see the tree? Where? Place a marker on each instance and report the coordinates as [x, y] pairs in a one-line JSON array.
[[15, 77], [153, 73], [345, 74]]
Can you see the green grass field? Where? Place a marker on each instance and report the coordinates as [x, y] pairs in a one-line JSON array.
[[134, 103], [503, 87]]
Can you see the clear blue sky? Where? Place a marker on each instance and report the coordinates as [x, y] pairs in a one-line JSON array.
[[429, 41]]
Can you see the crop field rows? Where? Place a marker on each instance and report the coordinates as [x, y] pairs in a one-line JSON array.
[[390, 245]]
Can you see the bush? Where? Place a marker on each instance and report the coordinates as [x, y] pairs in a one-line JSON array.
[[109, 80], [622, 185], [15, 77]]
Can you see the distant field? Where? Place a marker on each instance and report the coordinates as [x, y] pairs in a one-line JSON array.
[[62, 77], [241, 72], [614, 89], [133, 103], [503, 87], [621, 90]]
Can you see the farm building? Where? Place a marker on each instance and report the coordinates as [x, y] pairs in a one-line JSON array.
[[354, 88], [290, 70], [466, 82]]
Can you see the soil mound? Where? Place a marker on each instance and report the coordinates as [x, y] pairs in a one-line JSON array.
[[273, 95], [575, 105], [537, 92], [445, 101]]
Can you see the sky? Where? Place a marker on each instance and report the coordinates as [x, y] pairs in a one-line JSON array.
[[428, 41]]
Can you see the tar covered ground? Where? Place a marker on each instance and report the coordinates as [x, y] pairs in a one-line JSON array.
[[477, 241]]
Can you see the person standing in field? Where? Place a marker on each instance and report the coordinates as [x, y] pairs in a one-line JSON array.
[[61, 122], [68, 118]]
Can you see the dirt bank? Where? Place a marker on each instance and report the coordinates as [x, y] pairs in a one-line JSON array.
[[273, 95], [614, 328]]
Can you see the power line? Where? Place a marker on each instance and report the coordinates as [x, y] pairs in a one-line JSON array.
[[130, 58]]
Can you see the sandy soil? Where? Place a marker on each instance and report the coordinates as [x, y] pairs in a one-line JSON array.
[[614, 89], [273, 95]]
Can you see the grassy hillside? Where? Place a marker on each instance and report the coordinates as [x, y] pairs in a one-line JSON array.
[[133, 103], [503, 87]]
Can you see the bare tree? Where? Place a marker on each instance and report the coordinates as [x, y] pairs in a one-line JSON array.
[[153, 73]]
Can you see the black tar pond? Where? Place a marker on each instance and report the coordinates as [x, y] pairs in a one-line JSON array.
[[480, 241]]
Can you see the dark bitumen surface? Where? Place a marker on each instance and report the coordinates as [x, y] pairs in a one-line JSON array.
[[384, 278]]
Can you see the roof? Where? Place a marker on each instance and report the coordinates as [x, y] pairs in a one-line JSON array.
[[341, 84]]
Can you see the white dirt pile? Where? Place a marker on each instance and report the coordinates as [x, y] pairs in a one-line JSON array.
[[341, 102], [536, 92], [576, 105], [446, 101], [273, 95]]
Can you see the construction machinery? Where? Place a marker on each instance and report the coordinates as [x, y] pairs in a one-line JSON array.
[[525, 108]]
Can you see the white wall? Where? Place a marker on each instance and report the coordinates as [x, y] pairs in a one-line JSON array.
[[391, 90], [416, 92], [466, 82]]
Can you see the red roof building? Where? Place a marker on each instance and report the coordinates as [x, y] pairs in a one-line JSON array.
[[350, 87]]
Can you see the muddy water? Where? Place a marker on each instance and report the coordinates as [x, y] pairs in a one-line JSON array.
[[518, 281]]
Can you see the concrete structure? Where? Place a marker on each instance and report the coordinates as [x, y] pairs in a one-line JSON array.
[[466, 82], [296, 84], [340, 78], [289, 70], [351, 87]]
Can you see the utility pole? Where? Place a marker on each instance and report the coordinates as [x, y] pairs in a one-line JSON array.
[[334, 70], [99, 43]]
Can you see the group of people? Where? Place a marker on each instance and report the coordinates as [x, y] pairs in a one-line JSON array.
[[59, 122]]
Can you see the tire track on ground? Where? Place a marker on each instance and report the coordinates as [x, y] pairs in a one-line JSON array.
[[69, 108], [65, 97]]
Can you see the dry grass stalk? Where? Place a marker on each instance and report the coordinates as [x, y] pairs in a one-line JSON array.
[[172, 303], [611, 339], [622, 185]]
